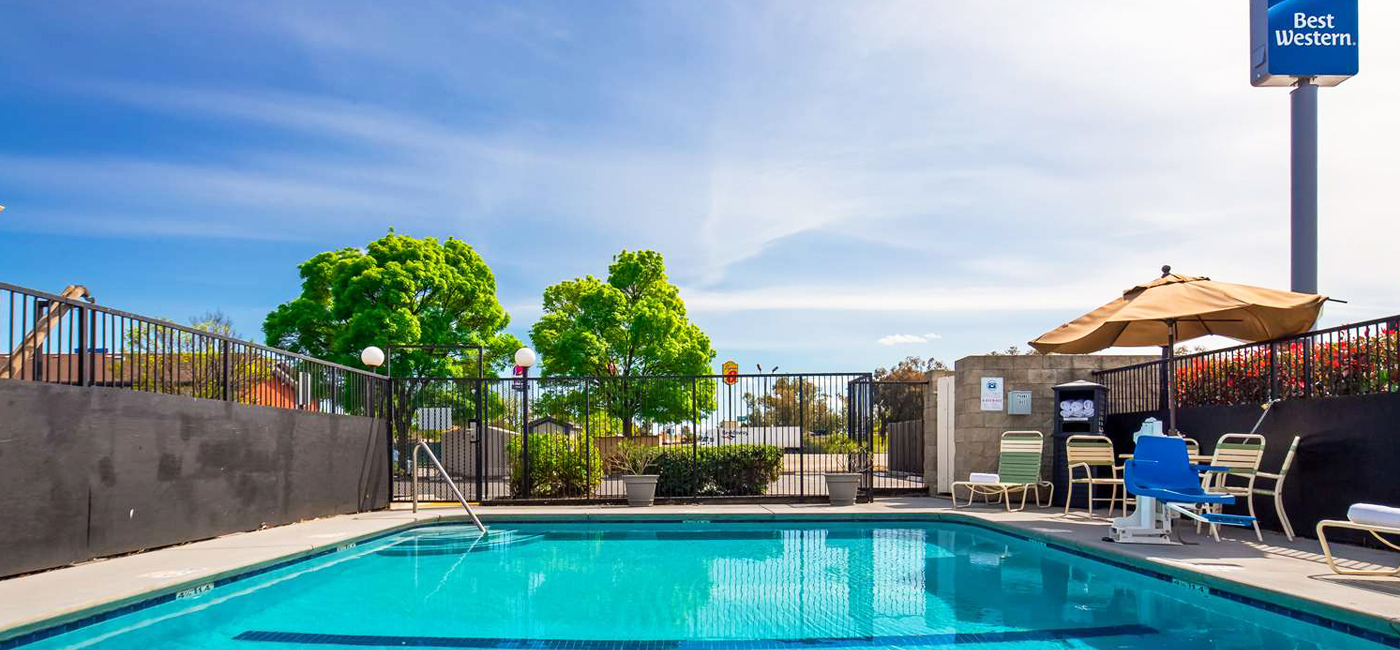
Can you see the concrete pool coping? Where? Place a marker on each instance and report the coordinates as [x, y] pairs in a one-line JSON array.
[[1275, 573]]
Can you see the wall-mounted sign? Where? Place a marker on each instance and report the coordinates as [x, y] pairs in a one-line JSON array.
[[730, 372], [1020, 403], [993, 398], [1289, 39]]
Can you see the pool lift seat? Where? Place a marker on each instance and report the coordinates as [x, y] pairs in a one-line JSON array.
[[1167, 486]]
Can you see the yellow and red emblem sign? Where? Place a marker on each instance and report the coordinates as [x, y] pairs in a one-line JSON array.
[[730, 372]]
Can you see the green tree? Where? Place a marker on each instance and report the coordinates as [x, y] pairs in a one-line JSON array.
[[790, 401], [897, 398], [633, 324], [397, 291]]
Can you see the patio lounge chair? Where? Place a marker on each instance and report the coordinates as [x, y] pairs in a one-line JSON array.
[[1277, 490], [1240, 454], [1377, 520], [1018, 470], [1084, 453]]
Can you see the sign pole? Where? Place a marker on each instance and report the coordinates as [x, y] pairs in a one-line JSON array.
[[1303, 156]]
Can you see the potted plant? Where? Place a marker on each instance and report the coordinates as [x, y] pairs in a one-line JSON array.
[[842, 487], [636, 462]]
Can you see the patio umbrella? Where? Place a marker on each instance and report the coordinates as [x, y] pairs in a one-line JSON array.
[[1175, 308]]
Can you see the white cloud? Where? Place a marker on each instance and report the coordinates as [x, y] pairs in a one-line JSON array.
[[904, 339]]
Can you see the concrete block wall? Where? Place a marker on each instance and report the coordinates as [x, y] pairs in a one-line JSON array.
[[977, 433]]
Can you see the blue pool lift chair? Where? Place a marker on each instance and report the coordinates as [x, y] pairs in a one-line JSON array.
[[1167, 486]]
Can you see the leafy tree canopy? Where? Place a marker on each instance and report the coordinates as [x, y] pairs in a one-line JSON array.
[[630, 325], [910, 369], [398, 291], [791, 401]]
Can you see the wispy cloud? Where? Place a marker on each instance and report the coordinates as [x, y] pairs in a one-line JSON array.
[[811, 174], [905, 339]]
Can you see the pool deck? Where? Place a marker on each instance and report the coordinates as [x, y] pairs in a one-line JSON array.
[[1289, 574]]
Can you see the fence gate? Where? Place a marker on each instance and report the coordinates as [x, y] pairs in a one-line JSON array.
[[898, 454], [442, 412]]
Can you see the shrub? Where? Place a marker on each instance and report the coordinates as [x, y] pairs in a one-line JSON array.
[[741, 470], [680, 474], [1355, 363], [560, 466], [732, 470]]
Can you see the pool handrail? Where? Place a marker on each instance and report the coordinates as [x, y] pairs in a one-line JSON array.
[[413, 469]]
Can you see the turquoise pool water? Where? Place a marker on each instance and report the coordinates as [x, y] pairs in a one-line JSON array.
[[702, 586]]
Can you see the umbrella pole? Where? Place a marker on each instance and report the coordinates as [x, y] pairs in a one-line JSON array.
[[1171, 377]]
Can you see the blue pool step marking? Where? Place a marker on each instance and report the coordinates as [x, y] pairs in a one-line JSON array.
[[958, 638]]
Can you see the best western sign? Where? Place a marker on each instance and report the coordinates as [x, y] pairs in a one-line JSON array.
[[1302, 38]]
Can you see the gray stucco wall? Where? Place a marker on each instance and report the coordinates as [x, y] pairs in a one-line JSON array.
[[91, 472], [977, 433]]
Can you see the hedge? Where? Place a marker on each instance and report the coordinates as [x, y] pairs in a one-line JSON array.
[[731, 470]]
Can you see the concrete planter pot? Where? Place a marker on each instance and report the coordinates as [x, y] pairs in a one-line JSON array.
[[641, 489], [842, 487]]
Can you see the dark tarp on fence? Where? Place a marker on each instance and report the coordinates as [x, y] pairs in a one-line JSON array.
[[1349, 452]]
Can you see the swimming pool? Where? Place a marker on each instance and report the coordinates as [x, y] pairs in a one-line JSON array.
[[703, 586]]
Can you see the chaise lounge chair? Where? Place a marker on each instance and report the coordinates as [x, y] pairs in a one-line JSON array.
[[1018, 470], [1377, 520]]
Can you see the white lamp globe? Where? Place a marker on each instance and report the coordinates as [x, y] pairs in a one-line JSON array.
[[372, 357], [524, 357]]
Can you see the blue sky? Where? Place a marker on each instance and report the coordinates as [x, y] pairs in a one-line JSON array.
[[835, 185]]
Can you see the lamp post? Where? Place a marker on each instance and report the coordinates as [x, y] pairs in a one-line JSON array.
[[373, 357], [524, 358]]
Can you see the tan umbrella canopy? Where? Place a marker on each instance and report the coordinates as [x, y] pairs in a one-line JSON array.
[[1176, 308]]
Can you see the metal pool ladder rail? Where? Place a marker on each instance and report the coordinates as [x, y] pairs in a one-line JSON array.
[[413, 469]]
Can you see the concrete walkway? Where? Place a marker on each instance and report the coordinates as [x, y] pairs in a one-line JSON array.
[[1290, 574]]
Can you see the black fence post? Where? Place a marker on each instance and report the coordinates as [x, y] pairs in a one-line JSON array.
[[478, 405], [870, 431], [527, 481], [588, 438], [226, 364], [695, 436], [1273, 372], [1307, 367], [84, 348], [801, 437]]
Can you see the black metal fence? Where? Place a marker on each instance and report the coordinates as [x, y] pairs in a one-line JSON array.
[[714, 436], [1354, 359], [746, 436], [70, 340]]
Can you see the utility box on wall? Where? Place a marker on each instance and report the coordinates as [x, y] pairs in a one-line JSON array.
[[1020, 403]]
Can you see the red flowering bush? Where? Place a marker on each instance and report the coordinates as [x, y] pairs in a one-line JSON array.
[[1358, 362]]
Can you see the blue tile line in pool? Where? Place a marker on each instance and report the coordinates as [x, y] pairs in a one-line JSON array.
[[953, 638]]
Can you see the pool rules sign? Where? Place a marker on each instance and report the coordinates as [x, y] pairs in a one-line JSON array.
[[1293, 39]]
